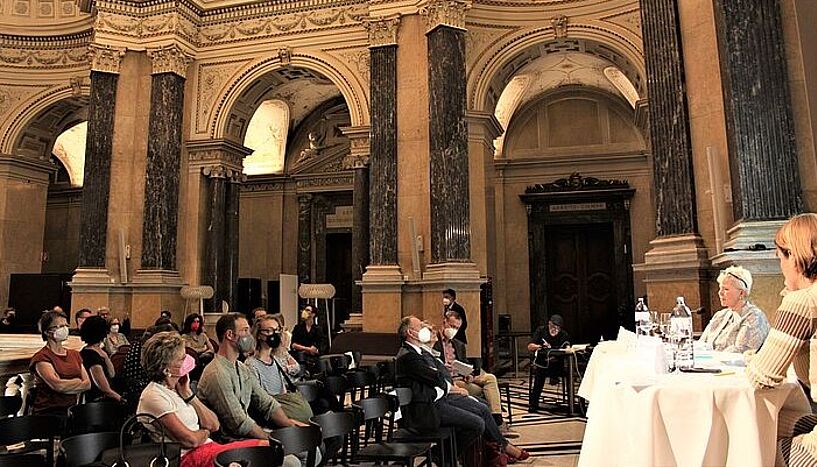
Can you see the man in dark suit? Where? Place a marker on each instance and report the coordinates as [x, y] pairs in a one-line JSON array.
[[450, 303], [430, 407]]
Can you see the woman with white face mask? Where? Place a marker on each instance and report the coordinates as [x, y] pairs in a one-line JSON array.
[[114, 339], [59, 371]]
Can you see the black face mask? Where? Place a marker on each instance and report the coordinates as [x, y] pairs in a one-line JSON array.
[[274, 340]]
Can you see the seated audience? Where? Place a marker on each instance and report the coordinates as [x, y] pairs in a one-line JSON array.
[[546, 365], [7, 325], [96, 361], [275, 369], [58, 371], [104, 313], [791, 339], [114, 339], [481, 384], [80, 317], [450, 304], [257, 313], [307, 338], [230, 388], [195, 338], [436, 401], [741, 326], [168, 397], [135, 377]]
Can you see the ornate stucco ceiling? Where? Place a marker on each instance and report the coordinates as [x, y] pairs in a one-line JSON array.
[[42, 17]]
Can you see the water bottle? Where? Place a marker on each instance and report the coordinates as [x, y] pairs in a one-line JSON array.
[[642, 318], [681, 330]]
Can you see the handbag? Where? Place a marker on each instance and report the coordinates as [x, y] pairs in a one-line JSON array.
[[150, 454]]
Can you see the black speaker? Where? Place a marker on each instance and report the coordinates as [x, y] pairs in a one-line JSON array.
[[273, 296], [31, 294], [249, 295]]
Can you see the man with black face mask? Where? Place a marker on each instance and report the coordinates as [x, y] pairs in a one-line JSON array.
[[275, 370], [230, 388]]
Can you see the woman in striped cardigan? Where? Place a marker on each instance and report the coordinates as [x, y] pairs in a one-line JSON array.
[[792, 338]]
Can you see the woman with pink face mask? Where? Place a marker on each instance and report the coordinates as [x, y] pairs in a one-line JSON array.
[[194, 336], [169, 398]]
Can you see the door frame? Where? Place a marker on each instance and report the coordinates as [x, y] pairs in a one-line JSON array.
[[579, 200]]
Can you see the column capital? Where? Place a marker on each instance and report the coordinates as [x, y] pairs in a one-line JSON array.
[[105, 58], [382, 30], [359, 146], [220, 171], [26, 169], [170, 59], [450, 13], [220, 152]]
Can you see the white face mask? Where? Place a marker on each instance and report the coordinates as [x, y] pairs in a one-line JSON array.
[[61, 334], [424, 335], [114, 328], [446, 301], [450, 333]]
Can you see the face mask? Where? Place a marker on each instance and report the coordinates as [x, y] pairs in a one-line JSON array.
[[61, 334], [424, 335], [114, 328], [274, 340], [246, 343], [305, 315], [446, 301], [194, 326], [450, 333]]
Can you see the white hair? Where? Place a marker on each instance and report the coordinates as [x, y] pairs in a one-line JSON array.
[[739, 275]]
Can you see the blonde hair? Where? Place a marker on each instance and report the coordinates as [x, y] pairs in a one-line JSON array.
[[798, 238], [256, 327], [739, 275], [158, 352]]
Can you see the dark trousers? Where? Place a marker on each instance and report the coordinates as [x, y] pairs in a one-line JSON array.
[[475, 406], [555, 368], [467, 425]]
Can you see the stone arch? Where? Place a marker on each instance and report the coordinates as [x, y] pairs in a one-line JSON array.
[[350, 87], [495, 63]]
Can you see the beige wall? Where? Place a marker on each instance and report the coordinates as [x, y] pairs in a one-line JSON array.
[[63, 216]]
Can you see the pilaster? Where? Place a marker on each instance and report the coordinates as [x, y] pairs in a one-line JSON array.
[[358, 160]]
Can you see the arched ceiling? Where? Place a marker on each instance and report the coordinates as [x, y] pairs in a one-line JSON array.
[[42, 17]]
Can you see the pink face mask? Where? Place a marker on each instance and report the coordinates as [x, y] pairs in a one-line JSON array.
[[187, 365]]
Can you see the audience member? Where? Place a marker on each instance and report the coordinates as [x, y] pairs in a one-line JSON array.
[[135, 377], [96, 361], [230, 388], [275, 369], [80, 317], [741, 326], [257, 313], [182, 417], [450, 303], [58, 371], [104, 313], [791, 339], [114, 339], [481, 384], [160, 321], [195, 337], [7, 324], [307, 339], [546, 365]]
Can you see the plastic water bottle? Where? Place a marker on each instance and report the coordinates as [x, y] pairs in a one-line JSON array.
[[681, 330], [642, 318]]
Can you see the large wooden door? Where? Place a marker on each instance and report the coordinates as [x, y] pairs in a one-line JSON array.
[[580, 279]]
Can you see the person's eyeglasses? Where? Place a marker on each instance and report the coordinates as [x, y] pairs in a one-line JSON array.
[[267, 331]]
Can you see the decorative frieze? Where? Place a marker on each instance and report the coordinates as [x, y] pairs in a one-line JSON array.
[[449, 13], [105, 58], [216, 153], [52, 52], [170, 59], [559, 24], [355, 161], [383, 30], [322, 182]]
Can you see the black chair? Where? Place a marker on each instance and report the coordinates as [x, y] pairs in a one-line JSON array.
[[336, 386], [386, 372], [505, 387], [444, 438], [256, 456], [380, 450], [310, 390], [23, 460], [10, 405], [300, 439], [85, 449], [360, 381], [29, 428], [334, 425], [95, 417]]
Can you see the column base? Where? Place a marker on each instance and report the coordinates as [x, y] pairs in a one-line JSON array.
[[382, 289], [678, 266], [93, 288], [157, 290], [747, 234]]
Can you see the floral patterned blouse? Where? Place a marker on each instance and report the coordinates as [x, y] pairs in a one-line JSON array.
[[732, 331]]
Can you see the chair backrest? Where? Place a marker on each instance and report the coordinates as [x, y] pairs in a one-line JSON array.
[[15, 430], [336, 385], [300, 439], [10, 405], [310, 390], [256, 456], [374, 408], [325, 366], [95, 417], [335, 423], [404, 396], [85, 449]]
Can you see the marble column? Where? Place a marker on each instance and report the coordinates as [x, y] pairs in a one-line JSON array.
[[215, 269], [358, 161], [231, 243], [304, 238], [448, 141], [162, 172], [758, 109]]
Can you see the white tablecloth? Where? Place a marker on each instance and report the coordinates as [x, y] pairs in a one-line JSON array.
[[637, 418]]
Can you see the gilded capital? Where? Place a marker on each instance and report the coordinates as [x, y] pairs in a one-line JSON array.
[[105, 58], [450, 13], [170, 59], [355, 161], [382, 30]]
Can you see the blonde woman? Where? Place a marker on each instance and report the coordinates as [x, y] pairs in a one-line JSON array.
[[741, 326], [790, 339]]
